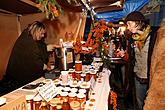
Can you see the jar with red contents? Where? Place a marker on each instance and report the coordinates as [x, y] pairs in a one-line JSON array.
[[81, 98], [78, 65], [29, 100], [63, 95], [93, 74], [72, 73], [37, 102], [87, 78], [78, 75], [72, 97]]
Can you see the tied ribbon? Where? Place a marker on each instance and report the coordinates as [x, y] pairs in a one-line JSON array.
[[141, 39]]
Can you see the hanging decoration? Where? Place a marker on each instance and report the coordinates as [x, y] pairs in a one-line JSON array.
[[50, 7], [105, 38]]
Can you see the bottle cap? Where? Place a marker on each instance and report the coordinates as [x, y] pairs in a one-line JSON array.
[[59, 107]]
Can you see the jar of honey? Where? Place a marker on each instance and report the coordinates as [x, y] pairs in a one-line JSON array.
[[29, 100], [44, 106], [54, 102], [78, 65], [78, 75], [87, 78], [72, 97], [72, 73], [37, 102], [63, 95], [75, 105], [81, 98]]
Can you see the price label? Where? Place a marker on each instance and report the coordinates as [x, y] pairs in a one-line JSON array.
[[48, 91]]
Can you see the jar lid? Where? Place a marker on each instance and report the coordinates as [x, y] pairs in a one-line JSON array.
[[74, 90], [29, 97], [66, 89], [54, 101], [71, 70], [65, 99], [64, 93], [37, 98], [79, 72], [82, 91], [81, 95], [44, 103], [59, 106], [92, 71], [77, 61], [74, 104], [72, 94], [64, 72]]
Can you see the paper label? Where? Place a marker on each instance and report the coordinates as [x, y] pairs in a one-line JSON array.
[[48, 91], [69, 57]]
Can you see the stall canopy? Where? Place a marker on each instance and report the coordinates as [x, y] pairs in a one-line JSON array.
[[129, 6], [110, 10]]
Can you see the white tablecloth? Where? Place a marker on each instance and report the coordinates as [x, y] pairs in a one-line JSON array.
[[101, 91]]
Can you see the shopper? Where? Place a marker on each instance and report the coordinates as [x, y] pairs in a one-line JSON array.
[[29, 57], [155, 99], [143, 43]]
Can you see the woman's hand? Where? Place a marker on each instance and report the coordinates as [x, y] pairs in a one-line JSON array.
[[51, 47]]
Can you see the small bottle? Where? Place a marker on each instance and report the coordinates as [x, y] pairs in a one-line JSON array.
[[65, 105], [61, 42]]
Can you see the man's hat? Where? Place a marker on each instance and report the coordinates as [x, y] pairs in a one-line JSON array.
[[135, 16]]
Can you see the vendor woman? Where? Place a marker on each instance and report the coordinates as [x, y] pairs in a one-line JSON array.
[[29, 57]]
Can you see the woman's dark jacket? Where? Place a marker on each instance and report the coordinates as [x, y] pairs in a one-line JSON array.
[[27, 59]]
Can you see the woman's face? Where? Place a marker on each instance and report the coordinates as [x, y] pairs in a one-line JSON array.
[[40, 34], [132, 26]]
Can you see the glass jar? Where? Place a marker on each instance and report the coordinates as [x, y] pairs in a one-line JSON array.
[[75, 105], [37, 102], [44, 106], [63, 95], [53, 102], [65, 105], [81, 98], [72, 72], [78, 65], [59, 107], [64, 76], [87, 78], [29, 100], [53, 106], [83, 75], [72, 97], [93, 74], [78, 75]]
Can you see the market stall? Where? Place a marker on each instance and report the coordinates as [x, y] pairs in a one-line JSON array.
[[95, 99]]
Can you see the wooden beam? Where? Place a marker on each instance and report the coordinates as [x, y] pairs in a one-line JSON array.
[[30, 3], [108, 9]]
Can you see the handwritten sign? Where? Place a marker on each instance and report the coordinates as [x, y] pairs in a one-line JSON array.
[[17, 104], [48, 91]]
